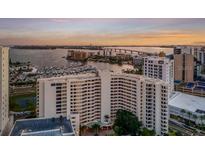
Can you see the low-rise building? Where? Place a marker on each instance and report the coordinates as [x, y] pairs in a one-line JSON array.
[[187, 106], [60, 126], [138, 60]]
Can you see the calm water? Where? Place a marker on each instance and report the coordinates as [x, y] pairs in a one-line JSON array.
[[40, 58], [43, 58]]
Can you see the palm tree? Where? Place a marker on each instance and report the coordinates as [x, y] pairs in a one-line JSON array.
[[96, 127], [195, 117], [107, 118], [82, 129], [201, 118], [189, 114], [183, 112]]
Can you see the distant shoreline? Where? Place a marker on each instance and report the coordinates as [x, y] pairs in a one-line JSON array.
[[92, 47], [84, 47]]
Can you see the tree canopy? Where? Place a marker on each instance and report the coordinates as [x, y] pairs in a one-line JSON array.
[[126, 123]]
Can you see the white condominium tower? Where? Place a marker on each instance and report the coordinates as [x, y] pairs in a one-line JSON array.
[[74, 96], [4, 87], [160, 68], [147, 98], [98, 96]]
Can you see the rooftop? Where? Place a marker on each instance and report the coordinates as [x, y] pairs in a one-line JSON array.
[[187, 102], [71, 76], [43, 127], [140, 77], [157, 58]]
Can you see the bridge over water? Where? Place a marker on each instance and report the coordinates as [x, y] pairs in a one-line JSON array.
[[116, 50]]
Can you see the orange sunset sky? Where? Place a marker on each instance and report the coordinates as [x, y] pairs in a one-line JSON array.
[[82, 31]]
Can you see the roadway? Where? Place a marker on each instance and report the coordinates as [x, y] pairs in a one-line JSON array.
[[184, 129]]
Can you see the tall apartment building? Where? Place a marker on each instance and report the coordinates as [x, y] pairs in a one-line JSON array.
[[160, 68], [195, 62], [4, 87], [98, 96], [147, 98], [197, 52], [184, 67], [77, 54], [76, 96]]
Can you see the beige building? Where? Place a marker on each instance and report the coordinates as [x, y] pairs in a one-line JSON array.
[[184, 67], [4, 87], [147, 98], [87, 98], [81, 54]]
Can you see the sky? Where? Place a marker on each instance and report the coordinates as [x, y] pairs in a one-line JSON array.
[[102, 31]]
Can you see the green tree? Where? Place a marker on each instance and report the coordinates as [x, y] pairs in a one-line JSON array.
[[106, 118], [178, 133], [202, 117], [118, 130], [147, 132], [96, 127], [126, 123], [189, 114], [82, 129], [195, 117], [10, 61], [183, 112]]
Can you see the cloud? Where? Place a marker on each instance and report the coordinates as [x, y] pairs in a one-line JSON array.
[[104, 31]]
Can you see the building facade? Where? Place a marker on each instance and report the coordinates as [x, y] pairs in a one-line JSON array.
[[197, 52], [98, 96], [160, 68], [184, 67], [76, 54], [138, 60], [147, 98], [76, 96], [4, 87], [195, 57]]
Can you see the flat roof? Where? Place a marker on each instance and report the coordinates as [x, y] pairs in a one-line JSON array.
[[140, 77], [43, 127], [187, 102], [71, 76], [158, 58]]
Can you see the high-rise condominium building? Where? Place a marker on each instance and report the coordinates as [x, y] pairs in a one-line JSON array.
[[4, 87], [197, 52], [147, 98], [190, 63], [184, 67], [98, 96], [160, 68]]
